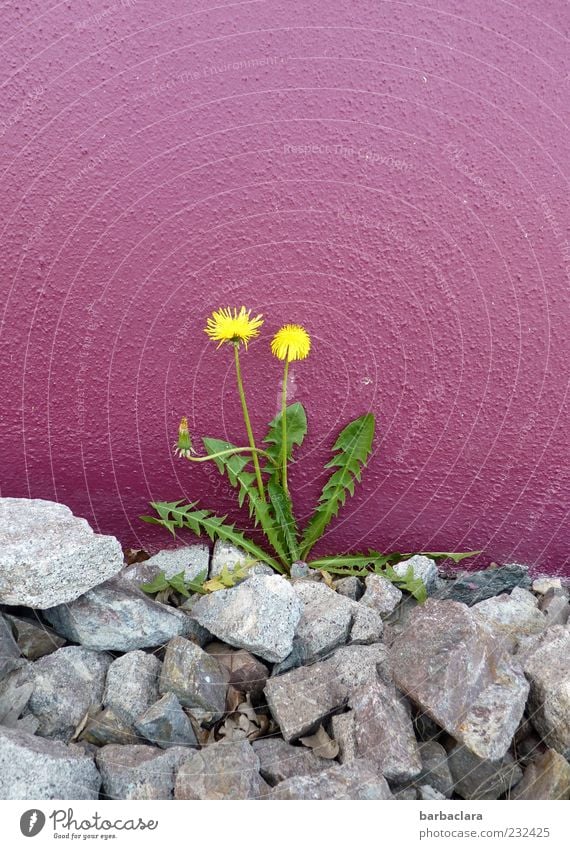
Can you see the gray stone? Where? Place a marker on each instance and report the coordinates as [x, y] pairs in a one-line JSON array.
[[355, 780], [139, 772], [48, 556], [555, 607], [301, 699], [351, 587], [547, 667], [407, 793], [107, 727], [472, 587], [165, 724], [260, 615], [546, 582], [435, 768], [547, 777], [117, 617], [220, 771], [511, 617], [381, 595], [423, 568], [383, 731], [34, 768], [481, 779], [367, 626], [427, 793], [279, 760], [67, 684], [15, 692], [34, 639], [299, 569], [325, 622], [132, 685], [197, 679], [191, 559], [453, 668], [226, 555], [10, 658]]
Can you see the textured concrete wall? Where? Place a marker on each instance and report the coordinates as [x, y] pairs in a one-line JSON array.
[[392, 175]]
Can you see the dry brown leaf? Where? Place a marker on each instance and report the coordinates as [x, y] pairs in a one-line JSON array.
[[321, 744], [327, 578]]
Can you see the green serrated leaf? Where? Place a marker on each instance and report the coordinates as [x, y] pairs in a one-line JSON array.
[[352, 449], [196, 585], [205, 522], [157, 585], [296, 430], [234, 465], [456, 556], [178, 583], [285, 519]]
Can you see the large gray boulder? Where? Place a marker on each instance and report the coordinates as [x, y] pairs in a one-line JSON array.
[[475, 778], [355, 780], [34, 768], [166, 724], [455, 670], [472, 587], [280, 760], [382, 732], [67, 684], [260, 615], [48, 556], [197, 679], [325, 622], [547, 666], [132, 685], [116, 616], [511, 617], [190, 559], [139, 772], [302, 698], [220, 771]]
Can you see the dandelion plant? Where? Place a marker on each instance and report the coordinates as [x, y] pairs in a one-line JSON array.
[[260, 474]]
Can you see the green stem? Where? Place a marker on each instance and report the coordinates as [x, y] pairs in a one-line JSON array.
[[248, 423], [231, 451], [284, 427]]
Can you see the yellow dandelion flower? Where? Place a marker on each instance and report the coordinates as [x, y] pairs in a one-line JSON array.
[[291, 342], [225, 325]]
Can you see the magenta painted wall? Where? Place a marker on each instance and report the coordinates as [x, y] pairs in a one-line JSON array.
[[391, 174]]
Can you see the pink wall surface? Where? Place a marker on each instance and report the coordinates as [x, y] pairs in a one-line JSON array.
[[393, 175]]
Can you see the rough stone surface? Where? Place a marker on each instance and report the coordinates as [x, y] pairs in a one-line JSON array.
[[48, 556], [279, 760], [351, 587], [547, 777], [165, 724], [107, 727], [383, 731], [482, 779], [547, 667], [34, 639], [423, 567], [381, 595], [367, 626], [246, 672], [555, 606], [197, 679], [10, 657], [34, 768], [132, 685], [260, 615], [427, 793], [342, 730], [139, 772], [191, 559], [117, 617], [67, 684], [435, 768], [511, 617], [472, 587], [325, 622], [452, 667], [220, 771], [545, 583], [226, 555], [300, 699], [355, 780]]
